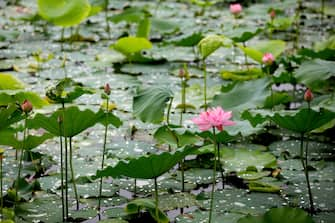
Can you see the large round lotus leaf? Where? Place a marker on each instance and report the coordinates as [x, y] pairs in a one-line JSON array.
[[202, 216], [304, 121], [280, 215], [74, 121], [145, 167], [64, 12], [240, 159]]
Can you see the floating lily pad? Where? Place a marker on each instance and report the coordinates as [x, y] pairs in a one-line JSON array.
[[241, 159]]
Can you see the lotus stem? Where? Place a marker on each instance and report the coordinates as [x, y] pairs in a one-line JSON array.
[[21, 159], [220, 165], [214, 181], [311, 203], [182, 175], [103, 157], [135, 188], [156, 198], [1, 186], [297, 21], [304, 162], [322, 11], [73, 176], [62, 39], [205, 83], [61, 167], [106, 18], [245, 56], [169, 111], [66, 167]]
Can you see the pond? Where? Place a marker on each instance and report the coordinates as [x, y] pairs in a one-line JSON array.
[[167, 111]]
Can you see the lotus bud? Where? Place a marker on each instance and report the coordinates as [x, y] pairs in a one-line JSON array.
[[235, 9], [107, 89], [181, 73], [268, 59], [308, 95], [272, 14], [26, 106]]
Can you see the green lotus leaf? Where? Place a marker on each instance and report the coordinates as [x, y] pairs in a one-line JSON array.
[[303, 121], [130, 45], [9, 97], [256, 52], [211, 43], [242, 75], [145, 167], [149, 104], [173, 137], [244, 95], [188, 39], [8, 82], [315, 73], [263, 187], [240, 159], [64, 12], [130, 15], [242, 34], [9, 115], [134, 206], [8, 138], [74, 120], [67, 90], [279, 215]]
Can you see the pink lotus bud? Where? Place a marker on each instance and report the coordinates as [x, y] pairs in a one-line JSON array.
[[268, 58], [272, 14], [181, 73], [107, 89], [235, 9], [308, 95], [26, 106]]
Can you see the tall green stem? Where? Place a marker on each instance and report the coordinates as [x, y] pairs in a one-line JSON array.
[[156, 198], [106, 18], [61, 166], [169, 111], [205, 83], [214, 180], [1, 186], [311, 203], [220, 165], [21, 159], [62, 39], [297, 24], [103, 155], [245, 57], [73, 176], [66, 166]]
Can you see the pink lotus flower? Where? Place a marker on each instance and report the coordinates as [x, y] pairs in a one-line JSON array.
[[235, 9], [215, 117], [26, 106], [268, 58]]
